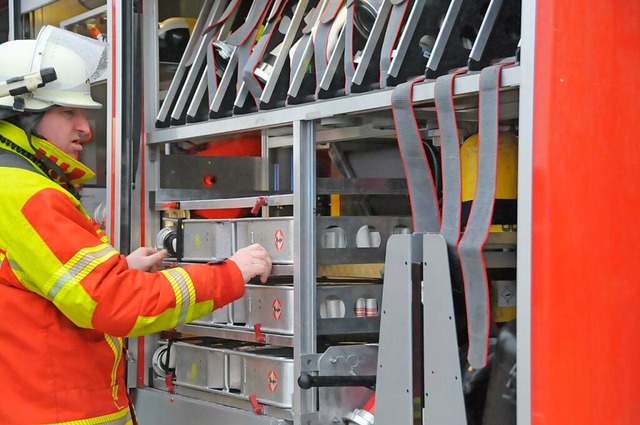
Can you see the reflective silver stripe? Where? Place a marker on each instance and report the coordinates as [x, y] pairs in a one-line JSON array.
[[116, 342], [184, 290], [117, 347], [122, 421], [76, 270], [126, 419], [14, 266]]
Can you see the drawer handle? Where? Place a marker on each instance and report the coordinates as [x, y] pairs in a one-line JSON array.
[[257, 328], [258, 409], [306, 381]]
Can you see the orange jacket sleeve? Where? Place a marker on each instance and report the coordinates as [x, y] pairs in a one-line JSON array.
[[57, 252]]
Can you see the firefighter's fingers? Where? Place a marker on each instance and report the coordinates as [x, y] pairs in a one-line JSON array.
[[146, 259], [265, 261], [253, 261], [156, 258]]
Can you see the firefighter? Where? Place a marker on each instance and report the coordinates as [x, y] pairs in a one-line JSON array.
[[67, 297]]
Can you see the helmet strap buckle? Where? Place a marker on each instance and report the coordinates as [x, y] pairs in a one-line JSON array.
[[18, 103]]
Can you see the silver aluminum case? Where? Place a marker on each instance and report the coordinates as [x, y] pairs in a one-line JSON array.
[[263, 371], [272, 306], [230, 314], [274, 234], [200, 366], [207, 240], [269, 375]]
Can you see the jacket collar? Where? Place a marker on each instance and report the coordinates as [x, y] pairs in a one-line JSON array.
[[74, 171]]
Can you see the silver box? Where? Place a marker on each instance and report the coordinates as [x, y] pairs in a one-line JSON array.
[[274, 234], [199, 366], [206, 240], [230, 314], [237, 370], [268, 373], [272, 306]]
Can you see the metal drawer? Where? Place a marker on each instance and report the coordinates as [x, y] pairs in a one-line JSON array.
[[230, 314], [337, 307], [274, 234], [268, 374], [237, 370], [199, 366], [206, 240]]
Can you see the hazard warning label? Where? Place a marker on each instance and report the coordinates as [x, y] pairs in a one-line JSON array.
[[279, 239], [507, 291], [276, 309], [272, 380]]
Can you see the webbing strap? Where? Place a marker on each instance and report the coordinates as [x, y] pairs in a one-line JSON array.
[[277, 9], [258, 52], [298, 53], [450, 154], [12, 159], [185, 62], [213, 69], [422, 191], [248, 73], [231, 7], [394, 26], [330, 11], [479, 222], [349, 65], [244, 39], [451, 187], [302, 52], [256, 15], [321, 38]]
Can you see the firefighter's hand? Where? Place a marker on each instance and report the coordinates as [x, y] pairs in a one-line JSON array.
[[252, 261], [146, 259]]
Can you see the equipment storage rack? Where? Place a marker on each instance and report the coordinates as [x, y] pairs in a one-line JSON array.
[[313, 102]]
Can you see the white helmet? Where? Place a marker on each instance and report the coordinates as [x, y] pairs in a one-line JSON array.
[[77, 61]]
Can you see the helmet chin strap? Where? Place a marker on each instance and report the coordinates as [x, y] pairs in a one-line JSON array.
[[29, 122]]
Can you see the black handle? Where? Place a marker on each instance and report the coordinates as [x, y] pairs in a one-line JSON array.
[[306, 381]]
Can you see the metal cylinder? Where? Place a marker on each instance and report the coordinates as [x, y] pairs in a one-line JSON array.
[[366, 13], [167, 239]]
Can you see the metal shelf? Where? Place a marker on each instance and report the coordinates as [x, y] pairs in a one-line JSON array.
[[237, 333], [352, 104], [167, 195], [151, 407]]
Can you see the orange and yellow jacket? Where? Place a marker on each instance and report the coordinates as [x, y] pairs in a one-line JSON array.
[[68, 298]]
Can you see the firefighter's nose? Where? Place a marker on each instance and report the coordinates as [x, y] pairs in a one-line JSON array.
[[86, 135]]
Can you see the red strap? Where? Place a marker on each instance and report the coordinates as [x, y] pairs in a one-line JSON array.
[[168, 379]]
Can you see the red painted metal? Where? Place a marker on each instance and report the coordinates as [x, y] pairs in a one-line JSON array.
[[586, 198]]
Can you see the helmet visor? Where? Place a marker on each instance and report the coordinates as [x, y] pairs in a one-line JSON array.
[[93, 52]]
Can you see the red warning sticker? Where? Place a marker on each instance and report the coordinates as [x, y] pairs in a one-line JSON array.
[[272, 380], [276, 309], [279, 239]]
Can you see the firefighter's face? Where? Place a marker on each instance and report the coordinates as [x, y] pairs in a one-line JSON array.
[[67, 128]]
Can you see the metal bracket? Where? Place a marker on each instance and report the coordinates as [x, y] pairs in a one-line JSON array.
[[309, 362]]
